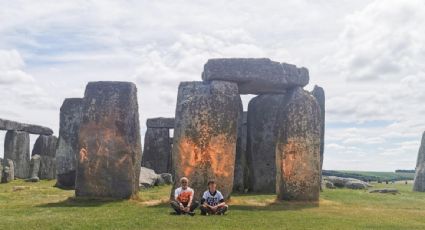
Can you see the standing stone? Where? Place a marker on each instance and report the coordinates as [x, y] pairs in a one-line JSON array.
[[256, 75], [8, 171], [240, 180], [298, 149], [205, 134], [17, 149], [319, 94], [45, 146], [419, 184], [35, 168], [67, 148], [263, 112], [157, 150], [108, 163]]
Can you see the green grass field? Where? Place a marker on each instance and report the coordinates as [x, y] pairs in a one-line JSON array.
[[42, 206], [374, 176]]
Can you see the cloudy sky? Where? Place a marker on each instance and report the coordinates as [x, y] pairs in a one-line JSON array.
[[368, 55]]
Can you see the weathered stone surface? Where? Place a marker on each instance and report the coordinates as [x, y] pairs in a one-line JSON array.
[[33, 179], [319, 94], [167, 177], [33, 129], [205, 134], [8, 171], [157, 150], [329, 185], [108, 163], [148, 178], [240, 181], [351, 183], [160, 122], [66, 180], [35, 168], [263, 125], [419, 183], [298, 149], [17, 149], [256, 75], [45, 146], [67, 148], [356, 185]]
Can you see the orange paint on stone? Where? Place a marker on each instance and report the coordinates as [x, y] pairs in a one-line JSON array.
[[83, 155], [220, 151], [188, 156], [289, 159]]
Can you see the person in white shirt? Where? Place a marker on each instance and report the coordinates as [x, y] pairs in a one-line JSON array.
[[212, 202], [183, 199]]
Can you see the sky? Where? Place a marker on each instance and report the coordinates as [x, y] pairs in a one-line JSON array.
[[369, 56]]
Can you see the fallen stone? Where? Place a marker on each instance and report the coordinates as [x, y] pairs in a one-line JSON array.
[[298, 148], [157, 150], [34, 168], [67, 180], [256, 75], [33, 179], [205, 135], [67, 148], [393, 191], [329, 185], [240, 179], [419, 183], [148, 178], [16, 126], [8, 171], [160, 122], [160, 181], [17, 149], [45, 147], [108, 164], [167, 177], [351, 183], [263, 111], [356, 185], [319, 94]]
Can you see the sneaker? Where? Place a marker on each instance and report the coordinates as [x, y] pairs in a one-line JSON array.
[[191, 213]]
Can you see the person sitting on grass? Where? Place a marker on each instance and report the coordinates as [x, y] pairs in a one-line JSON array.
[[212, 202], [183, 199]]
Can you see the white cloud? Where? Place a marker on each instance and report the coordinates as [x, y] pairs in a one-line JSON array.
[[368, 55]]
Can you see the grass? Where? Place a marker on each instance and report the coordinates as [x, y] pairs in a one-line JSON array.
[[41, 206]]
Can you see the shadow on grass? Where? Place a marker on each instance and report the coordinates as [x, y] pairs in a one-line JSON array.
[[79, 202], [275, 206]]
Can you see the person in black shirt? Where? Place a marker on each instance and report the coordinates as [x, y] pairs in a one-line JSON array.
[[212, 202]]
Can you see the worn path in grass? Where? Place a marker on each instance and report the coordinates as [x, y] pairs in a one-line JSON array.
[[42, 206]]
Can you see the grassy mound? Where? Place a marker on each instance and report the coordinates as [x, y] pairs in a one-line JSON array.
[[42, 206]]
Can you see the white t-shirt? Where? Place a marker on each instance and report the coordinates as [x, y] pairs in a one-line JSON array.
[[213, 199], [183, 195]]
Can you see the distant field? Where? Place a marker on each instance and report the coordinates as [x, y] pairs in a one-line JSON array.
[[373, 176], [41, 206]]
